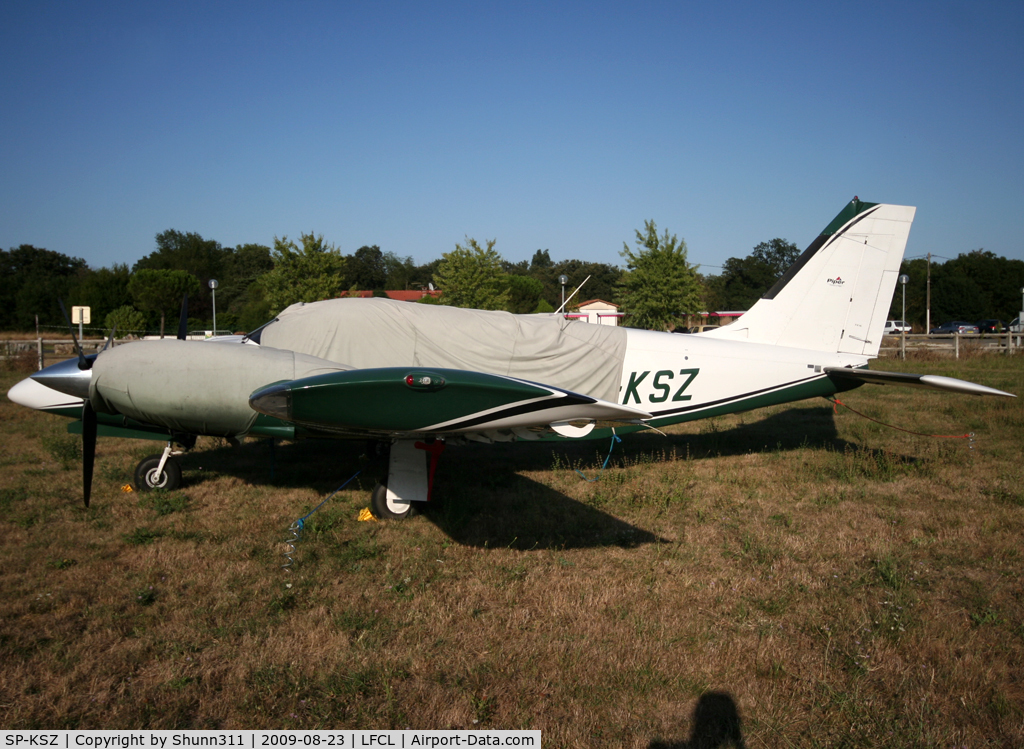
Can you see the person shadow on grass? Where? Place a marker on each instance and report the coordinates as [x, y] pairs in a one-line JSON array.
[[716, 724]]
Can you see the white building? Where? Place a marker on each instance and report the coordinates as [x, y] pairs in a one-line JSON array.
[[598, 312]]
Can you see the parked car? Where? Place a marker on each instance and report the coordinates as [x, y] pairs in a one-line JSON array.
[[895, 327], [1015, 326], [991, 326], [956, 326]]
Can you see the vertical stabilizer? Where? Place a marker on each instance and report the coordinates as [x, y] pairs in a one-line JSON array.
[[836, 296]]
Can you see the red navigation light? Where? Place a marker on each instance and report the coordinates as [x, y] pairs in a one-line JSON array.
[[429, 381]]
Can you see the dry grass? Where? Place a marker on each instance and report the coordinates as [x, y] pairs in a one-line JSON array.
[[799, 578]]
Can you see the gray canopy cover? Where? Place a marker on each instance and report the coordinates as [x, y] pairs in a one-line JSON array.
[[365, 333]]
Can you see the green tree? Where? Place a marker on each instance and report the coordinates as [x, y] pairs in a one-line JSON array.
[[126, 320], [998, 279], [102, 290], [34, 279], [472, 276], [309, 273], [957, 297], [524, 294], [366, 269], [399, 272], [745, 280], [541, 260], [603, 284], [240, 303], [160, 290], [974, 285], [660, 287], [203, 258]]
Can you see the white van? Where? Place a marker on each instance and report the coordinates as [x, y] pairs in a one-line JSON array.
[[895, 327]]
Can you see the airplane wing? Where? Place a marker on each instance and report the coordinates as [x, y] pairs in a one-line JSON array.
[[935, 382], [407, 400]]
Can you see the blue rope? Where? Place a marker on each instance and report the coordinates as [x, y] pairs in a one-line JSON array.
[[615, 438], [298, 525], [300, 522]]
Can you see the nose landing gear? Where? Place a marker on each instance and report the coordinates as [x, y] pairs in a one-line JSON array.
[[162, 471]]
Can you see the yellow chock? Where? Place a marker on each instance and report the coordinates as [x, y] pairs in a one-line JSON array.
[[365, 515], [127, 489]]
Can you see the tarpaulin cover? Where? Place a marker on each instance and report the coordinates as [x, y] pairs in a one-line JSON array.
[[365, 333]]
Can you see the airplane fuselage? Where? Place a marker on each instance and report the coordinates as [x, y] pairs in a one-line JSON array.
[[681, 377]]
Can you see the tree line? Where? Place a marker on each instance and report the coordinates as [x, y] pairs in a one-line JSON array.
[[657, 287]]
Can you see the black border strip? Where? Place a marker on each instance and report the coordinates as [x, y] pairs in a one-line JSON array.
[[733, 398], [571, 399]]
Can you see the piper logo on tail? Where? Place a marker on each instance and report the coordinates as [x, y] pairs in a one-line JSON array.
[[837, 281]]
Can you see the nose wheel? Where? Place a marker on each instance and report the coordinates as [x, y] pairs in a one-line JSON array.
[[158, 471]]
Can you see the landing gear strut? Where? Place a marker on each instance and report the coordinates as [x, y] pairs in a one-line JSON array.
[[411, 466]]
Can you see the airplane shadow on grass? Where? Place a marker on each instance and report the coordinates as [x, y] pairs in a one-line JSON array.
[[791, 429], [484, 500], [516, 512], [488, 506]]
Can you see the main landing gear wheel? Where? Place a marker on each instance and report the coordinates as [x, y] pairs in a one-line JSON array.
[[147, 479], [389, 510]]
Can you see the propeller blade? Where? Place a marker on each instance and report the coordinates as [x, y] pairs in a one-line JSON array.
[[183, 320], [89, 428], [83, 363], [110, 340]]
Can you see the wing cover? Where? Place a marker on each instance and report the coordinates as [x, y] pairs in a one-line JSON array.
[[397, 400]]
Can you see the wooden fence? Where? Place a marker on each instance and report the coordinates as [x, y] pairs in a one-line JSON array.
[[47, 350], [951, 345]]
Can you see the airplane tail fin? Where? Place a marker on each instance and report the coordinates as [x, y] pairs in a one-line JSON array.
[[836, 296]]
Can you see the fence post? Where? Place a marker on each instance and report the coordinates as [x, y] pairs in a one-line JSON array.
[[39, 351], [956, 344], [903, 345]]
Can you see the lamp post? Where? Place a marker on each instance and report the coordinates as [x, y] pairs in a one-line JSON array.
[[903, 321], [213, 292], [563, 279], [903, 280]]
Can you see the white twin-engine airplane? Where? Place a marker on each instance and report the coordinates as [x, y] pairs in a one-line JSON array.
[[416, 376]]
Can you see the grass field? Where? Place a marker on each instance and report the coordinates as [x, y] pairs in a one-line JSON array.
[[784, 577]]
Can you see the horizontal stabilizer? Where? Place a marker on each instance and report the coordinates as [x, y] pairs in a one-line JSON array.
[[935, 382]]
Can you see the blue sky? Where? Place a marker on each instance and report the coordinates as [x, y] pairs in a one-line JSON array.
[[550, 125]]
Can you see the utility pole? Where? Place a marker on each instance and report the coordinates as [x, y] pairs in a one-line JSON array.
[[903, 321], [928, 299]]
